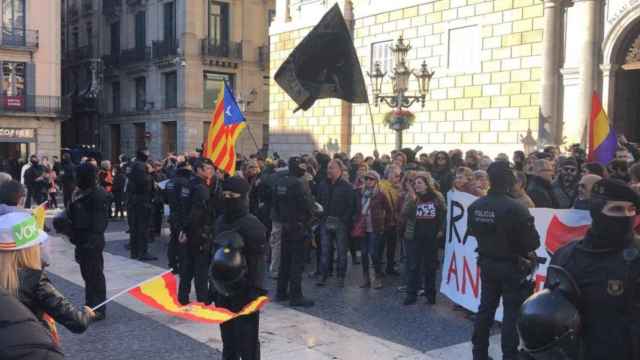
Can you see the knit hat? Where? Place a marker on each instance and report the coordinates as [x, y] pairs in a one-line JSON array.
[[373, 174], [568, 162], [19, 230], [236, 185], [614, 190]]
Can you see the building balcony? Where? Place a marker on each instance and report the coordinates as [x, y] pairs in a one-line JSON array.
[[79, 54], [135, 55], [87, 7], [263, 57], [231, 50], [35, 104], [164, 48], [17, 38], [110, 61]]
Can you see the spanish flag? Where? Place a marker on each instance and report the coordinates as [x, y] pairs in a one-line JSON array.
[[160, 293], [226, 125], [602, 138]]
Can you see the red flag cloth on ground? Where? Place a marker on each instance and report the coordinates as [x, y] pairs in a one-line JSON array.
[[160, 293]]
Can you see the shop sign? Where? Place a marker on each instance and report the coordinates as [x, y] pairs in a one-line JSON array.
[[11, 133], [14, 102]]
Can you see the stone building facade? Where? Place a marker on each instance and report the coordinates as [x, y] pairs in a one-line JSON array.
[[485, 93], [31, 106], [161, 64]]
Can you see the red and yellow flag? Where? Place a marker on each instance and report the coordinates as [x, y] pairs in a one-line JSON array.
[[160, 293], [226, 126]]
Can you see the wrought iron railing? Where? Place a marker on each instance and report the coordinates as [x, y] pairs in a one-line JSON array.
[[40, 104], [135, 55], [19, 38], [164, 48], [110, 61], [230, 49]]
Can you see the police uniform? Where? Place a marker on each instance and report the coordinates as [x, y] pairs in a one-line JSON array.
[[88, 214], [139, 208], [240, 336], [173, 190], [197, 218], [293, 205], [506, 235], [605, 268]]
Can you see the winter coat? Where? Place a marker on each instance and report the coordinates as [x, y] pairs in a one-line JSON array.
[[380, 209], [541, 192], [39, 295], [337, 200]]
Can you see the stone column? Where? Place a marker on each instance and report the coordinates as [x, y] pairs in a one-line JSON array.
[[551, 51], [587, 10], [346, 109]]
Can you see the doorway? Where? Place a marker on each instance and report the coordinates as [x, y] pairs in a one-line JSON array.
[[12, 156]]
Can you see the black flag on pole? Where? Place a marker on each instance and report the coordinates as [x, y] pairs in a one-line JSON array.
[[324, 65]]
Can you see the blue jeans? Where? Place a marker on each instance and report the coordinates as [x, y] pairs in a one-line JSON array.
[[372, 246], [329, 240]]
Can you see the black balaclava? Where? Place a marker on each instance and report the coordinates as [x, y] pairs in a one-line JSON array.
[[294, 166], [501, 177], [34, 161], [569, 182], [86, 176], [610, 232], [235, 208]]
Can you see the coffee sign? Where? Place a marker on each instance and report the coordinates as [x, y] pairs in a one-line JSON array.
[[12, 133]]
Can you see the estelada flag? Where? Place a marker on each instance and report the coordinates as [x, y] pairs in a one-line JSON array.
[[226, 125], [602, 138], [160, 293]]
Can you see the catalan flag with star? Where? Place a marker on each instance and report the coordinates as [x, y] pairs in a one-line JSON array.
[[226, 125]]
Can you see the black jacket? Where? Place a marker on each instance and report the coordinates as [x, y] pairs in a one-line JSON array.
[[292, 200], [140, 183], [30, 176], [338, 200], [503, 227], [198, 213], [88, 213], [609, 284], [541, 192], [254, 234], [22, 336], [40, 296], [67, 173], [173, 191]]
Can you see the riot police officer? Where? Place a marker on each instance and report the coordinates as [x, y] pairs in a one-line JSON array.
[[140, 192], [88, 214], [293, 206], [506, 238], [197, 216], [239, 236], [600, 276], [173, 190]]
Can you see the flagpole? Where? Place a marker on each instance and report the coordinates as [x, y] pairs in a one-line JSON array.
[[373, 129], [127, 290], [252, 137]]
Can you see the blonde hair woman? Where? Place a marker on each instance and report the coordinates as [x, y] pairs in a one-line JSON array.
[[21, 271]]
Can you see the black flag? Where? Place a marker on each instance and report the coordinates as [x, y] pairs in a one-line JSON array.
[[324, 65]]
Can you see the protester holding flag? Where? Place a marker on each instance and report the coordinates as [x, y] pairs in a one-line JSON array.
[[88, 212], [21, 273]]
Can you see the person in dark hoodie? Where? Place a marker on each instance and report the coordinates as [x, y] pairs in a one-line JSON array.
[[21, 268], [173, 190], [88, 212]]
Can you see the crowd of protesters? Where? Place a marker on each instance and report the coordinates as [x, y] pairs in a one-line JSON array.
[[381, 216]]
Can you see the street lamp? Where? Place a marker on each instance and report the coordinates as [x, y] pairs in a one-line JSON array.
[[401, 74]]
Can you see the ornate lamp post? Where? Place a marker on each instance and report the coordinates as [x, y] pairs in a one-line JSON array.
[[400, 119]]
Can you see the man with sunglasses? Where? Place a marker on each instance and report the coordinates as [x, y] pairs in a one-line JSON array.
[[565, 187], [604, 270]]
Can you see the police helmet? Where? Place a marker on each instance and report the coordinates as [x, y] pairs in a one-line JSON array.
[[228, 271], [62, 223], [548, 325]]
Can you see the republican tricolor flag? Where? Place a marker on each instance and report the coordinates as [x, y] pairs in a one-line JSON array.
[[226, 125], [602, 138]]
